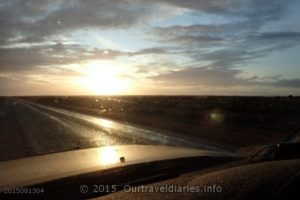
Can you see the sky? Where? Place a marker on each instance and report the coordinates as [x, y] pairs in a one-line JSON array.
[[157, 47]]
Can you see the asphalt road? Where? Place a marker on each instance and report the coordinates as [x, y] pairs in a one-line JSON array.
[[28, 129]]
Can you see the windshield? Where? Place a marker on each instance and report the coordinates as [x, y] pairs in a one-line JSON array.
[[214, 75]]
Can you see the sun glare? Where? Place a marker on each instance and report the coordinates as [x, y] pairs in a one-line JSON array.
[[108, 155], [104, 81]]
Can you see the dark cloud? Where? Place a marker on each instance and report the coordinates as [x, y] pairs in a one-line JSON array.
[[201, 76], [258, 10], [34, 21], [272, 41], [213, 6], [155, 50], [214, 77], [196, 41], [26, 58], [232, 43], [292, 83], [29, 58], [224, 45]]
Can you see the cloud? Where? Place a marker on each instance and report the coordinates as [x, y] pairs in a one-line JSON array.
[[234, 42], [226, 45], [52, 54], [146, 51], [201, 76], [292, 83], [28, 58], [32, 33], [257, 10], [218, 77], [27, 21]]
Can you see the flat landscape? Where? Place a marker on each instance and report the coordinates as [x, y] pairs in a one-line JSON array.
[[39, 125]]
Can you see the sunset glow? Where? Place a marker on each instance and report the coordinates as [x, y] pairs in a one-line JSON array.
[[104, 80], [160, 47]]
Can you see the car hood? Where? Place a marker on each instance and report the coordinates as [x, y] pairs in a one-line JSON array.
[[39, 169]]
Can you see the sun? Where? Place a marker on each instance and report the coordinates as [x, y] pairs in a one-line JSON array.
[[104, 81]]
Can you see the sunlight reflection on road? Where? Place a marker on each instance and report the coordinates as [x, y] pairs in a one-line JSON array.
[[105, 123], [110, 132]]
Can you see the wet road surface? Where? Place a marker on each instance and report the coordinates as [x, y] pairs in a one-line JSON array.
[[28, 129]]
